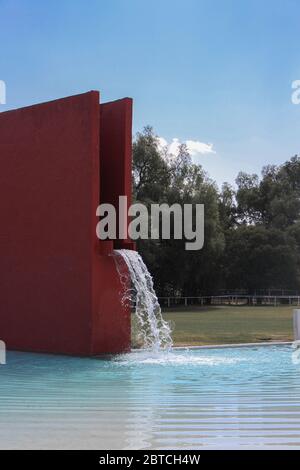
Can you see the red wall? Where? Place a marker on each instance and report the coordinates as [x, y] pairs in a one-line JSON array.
[[115, 149], [58, 291]]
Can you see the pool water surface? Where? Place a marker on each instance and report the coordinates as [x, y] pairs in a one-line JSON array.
[[231, 398]]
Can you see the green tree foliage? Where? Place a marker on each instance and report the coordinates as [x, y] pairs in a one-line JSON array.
[[160, 177], [257, 257], [150, 170], [274, 200], [252, 232]]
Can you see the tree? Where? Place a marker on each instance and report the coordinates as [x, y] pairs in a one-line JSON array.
[[161, 177], [252, 233], [151, 174], [227, 207], [260, 258], [272, 201]]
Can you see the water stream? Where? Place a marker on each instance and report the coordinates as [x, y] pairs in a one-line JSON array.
[[153, 331]]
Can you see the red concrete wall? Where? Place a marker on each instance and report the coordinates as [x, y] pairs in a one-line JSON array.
[[112, 326], [58, 291], [115, 149]]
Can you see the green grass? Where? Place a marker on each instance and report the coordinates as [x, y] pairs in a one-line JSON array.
[[221, 325]]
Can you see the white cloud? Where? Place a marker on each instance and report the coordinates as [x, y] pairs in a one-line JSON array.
[[162, 143], [195, 147]]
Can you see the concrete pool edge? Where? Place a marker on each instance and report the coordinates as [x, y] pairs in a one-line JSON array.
[[226, 346], [235, 345]]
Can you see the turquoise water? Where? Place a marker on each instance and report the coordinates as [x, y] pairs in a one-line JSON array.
[[205, 398]]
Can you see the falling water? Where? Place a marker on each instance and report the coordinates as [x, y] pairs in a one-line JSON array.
[[153, 331]]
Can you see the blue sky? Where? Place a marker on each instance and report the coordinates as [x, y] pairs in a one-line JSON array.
[[212, 71]]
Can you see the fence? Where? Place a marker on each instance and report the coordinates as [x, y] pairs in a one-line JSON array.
[[258, 292], [254, 300]]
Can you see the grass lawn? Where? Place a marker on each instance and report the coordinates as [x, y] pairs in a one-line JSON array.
[[234, 324]]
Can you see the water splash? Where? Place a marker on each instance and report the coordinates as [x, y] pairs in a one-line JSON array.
[[178, 358], [296, 352], [153, 331]]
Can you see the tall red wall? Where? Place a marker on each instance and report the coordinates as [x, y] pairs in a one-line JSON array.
[[112, 325], [59, 289], [115, 149]]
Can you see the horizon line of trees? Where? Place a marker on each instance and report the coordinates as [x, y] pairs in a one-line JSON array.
[[252, 232]]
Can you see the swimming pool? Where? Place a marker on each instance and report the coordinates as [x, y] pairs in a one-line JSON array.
[[205, 398]]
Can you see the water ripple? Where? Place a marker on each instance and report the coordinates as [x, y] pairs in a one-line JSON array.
[[217, 398]]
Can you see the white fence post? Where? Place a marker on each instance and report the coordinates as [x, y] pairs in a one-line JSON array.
[[296, 319], [2, 353]]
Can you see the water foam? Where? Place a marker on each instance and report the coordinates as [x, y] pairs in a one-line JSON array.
[[174, 358]]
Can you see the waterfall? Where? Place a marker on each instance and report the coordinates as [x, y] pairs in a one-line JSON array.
[[153, 331]]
